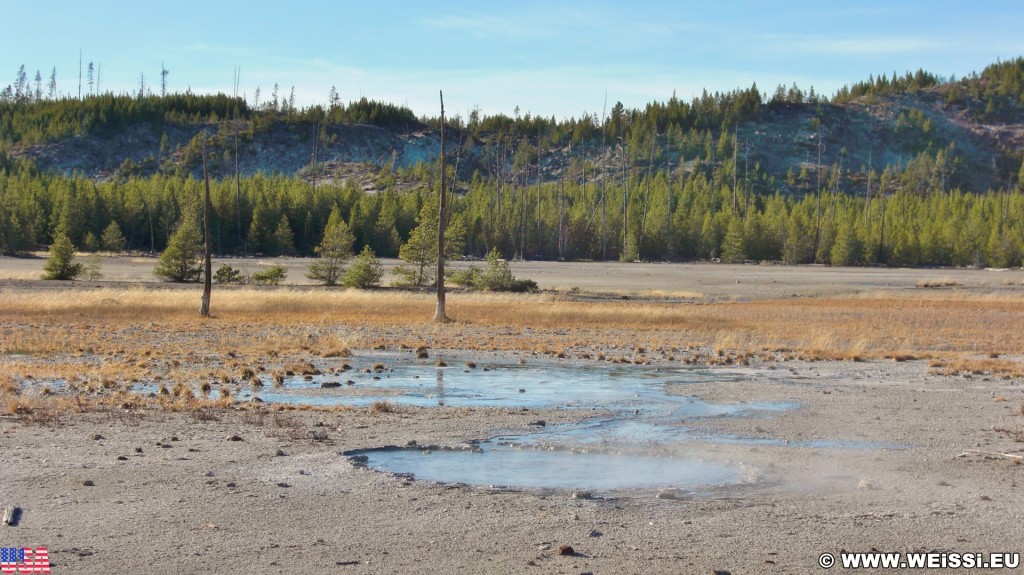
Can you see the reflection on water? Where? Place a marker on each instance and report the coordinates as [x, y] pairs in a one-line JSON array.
[[505, 466], [643, 415]]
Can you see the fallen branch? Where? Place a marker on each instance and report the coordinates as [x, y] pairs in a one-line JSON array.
[[995, 453]]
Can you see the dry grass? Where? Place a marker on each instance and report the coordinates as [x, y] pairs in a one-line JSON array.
[[100, 342]]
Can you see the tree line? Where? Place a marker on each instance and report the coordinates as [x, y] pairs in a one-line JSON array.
[[695, 210]]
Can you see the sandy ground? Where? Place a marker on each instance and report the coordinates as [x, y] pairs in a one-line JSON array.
[[697, 280], [169, 493]]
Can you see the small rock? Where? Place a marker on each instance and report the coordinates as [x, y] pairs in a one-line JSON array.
[[670, 494], [283, 484], [230, 484], [538, 423], [122, 458], [280, 453], [317, 434], [97, 437], [330, 384], [234, 438], [138, 450], [440, 363], [582, 495], [208, 474], [721, 571], [566, 550], [521, 390], [88, 483]]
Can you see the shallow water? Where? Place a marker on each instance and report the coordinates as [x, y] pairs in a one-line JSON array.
[[627, 449], [505, 466]]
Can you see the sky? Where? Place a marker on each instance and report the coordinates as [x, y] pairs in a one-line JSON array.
[[549, 58]]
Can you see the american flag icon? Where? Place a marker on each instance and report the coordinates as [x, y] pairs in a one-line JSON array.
[[24, 560]]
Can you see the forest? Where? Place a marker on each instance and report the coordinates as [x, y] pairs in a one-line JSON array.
[[669, 183]]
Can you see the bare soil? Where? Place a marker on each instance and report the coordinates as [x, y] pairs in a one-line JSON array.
[[170, 493]]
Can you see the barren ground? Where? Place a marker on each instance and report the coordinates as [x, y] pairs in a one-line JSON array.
[[170, 494]]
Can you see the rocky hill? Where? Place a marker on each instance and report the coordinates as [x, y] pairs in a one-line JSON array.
[[970, 134]]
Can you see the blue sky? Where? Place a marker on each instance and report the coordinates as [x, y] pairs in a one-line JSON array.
[[547, 58]]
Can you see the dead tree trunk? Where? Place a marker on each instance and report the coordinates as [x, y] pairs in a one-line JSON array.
[[204, 307], [442, 218]]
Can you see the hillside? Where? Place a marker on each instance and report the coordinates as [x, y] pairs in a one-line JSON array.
[[774, 140], [907, 170]]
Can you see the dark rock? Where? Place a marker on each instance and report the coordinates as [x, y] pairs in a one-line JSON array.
[[330, 384], [88, 483], [97, 437], [566, 550], [234, 438], [538, 423], [122, 458], [280, 453]]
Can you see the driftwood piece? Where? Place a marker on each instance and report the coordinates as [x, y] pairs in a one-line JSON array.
[[993, 453], [11, 514]]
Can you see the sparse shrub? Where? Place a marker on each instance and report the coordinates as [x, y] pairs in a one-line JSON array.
[[226, 274], [497, 276], [383, 407], [464, 277], [61, 264], [271, 276], [366, 271], [91, 268]]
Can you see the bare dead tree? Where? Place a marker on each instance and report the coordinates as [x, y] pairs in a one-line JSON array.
[[204, 307], [442, 218]]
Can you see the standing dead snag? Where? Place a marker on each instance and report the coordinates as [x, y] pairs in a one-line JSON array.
[[204, 307], [442, 220]]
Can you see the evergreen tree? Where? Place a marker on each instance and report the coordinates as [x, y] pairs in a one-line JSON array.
[[847, 250], [283, 240], [112, 239], [182, 260], [61, 264], [732, 246], [421, 249], [334, 251], [366, 271]]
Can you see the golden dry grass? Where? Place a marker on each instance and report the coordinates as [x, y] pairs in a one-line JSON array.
[[100, 342]]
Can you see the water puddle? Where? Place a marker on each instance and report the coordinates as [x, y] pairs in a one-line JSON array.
[[638, 436], [506, 466]]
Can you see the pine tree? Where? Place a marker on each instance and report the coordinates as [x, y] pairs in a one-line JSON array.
[[847, 249], [182, 260], [334, 251], [732, 245], [421, 249], [61, 264], [283, 239], [366, 271], [112, 239]]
